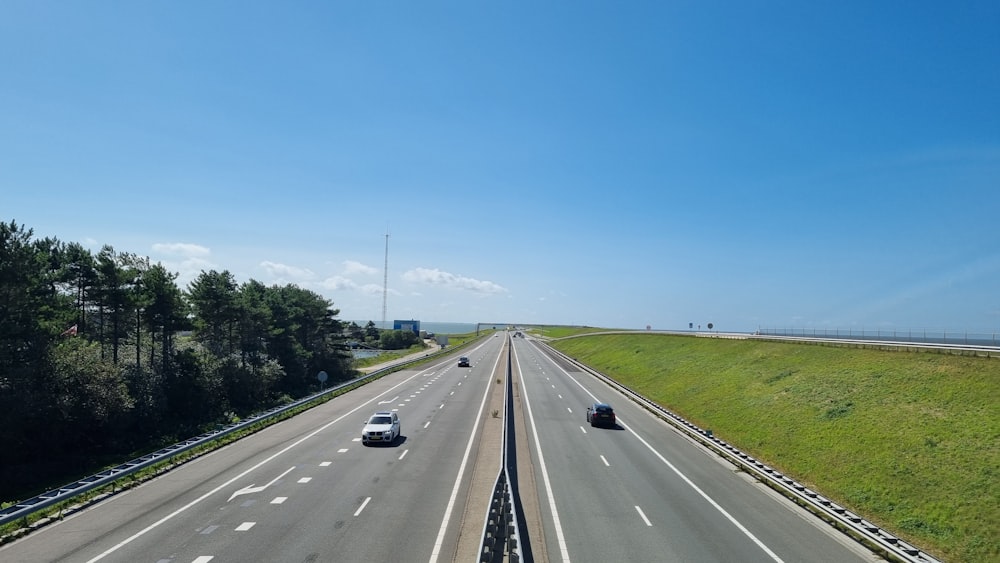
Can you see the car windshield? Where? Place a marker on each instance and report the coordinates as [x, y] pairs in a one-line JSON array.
[[380, 420], [604, 409]]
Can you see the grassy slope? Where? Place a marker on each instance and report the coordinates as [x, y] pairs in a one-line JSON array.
[[910, 440]]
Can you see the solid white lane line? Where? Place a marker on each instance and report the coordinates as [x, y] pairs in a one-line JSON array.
[[363, 505], [560, 537], [689, 482], [436, 552], [225, 485], [643, 515]]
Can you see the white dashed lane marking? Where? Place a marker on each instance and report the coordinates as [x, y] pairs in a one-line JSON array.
[[643, 514], [245, 526], [279, 500]]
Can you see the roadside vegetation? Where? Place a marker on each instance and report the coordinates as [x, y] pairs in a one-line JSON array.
[[561, 331], [103, 357], [910, 440]]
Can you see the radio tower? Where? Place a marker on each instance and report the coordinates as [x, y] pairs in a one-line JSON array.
[[385, 278]]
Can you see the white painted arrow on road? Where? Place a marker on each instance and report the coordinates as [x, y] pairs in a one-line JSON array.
[[252, 489]]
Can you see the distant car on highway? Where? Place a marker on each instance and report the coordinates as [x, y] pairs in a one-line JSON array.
[[463, 362], [382, 427], [601, 414]]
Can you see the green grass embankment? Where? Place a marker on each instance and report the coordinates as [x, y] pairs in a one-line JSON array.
[[910, 440]]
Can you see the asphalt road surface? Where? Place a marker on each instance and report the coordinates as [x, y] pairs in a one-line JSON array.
[[308, 490], [642, 491]]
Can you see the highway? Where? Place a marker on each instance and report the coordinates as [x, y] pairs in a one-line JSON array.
[[642, 491], [307, 490]]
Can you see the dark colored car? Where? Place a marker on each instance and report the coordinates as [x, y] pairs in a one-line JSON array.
[[601, 414], [463, 362]]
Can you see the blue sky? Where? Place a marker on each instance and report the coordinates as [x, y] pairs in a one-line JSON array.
[[764, 164]]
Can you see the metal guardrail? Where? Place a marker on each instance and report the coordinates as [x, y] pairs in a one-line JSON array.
[[868, 533], [918, 336], [501, 532], [108, 477]]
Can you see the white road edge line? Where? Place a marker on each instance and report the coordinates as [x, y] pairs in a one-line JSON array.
[[690, 483], [560, 537], [225, 485], [436, 552]]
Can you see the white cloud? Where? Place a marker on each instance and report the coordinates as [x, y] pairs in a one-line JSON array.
[[375, 289], [181, 249], [185, 259], [353, 267], [338, 283], [452, 281], [283, 271]]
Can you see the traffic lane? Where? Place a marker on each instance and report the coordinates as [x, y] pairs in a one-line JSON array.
[[322, 530], [773, 524], [610, 509], [789, 530], [362, 507], [89, 533]]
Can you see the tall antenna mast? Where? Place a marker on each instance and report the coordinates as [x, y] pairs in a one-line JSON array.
[[385, 278]]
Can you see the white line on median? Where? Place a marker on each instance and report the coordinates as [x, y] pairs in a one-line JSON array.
[[690, 483], [145, 530], [563, 549], [461, 471]]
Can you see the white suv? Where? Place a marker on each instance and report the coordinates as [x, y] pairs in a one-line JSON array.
[[381, 427]]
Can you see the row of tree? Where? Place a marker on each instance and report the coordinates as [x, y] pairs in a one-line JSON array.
[[104, 355]]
